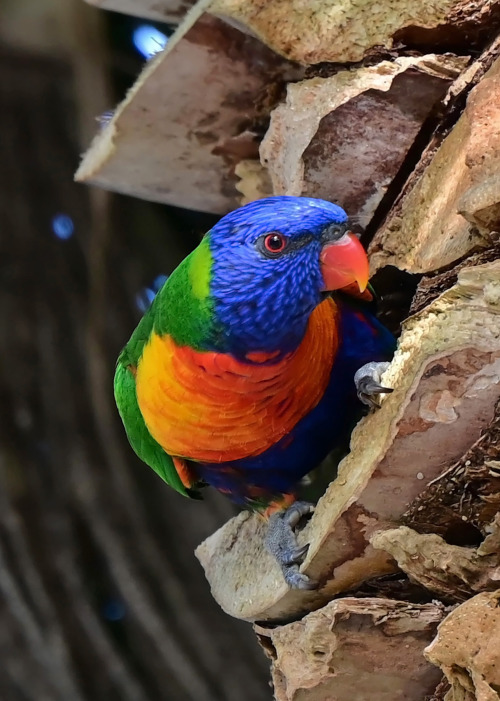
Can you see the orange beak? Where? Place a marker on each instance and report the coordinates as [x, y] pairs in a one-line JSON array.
[[344, 262]]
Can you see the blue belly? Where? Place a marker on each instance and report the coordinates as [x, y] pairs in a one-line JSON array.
[[278, 470]]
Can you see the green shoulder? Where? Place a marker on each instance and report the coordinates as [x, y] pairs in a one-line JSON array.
[[183, 310]]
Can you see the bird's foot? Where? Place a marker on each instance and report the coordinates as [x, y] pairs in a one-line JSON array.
[[281, 541], [367, 381]]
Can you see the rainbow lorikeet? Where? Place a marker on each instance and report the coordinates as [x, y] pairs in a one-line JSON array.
[[241, 375]]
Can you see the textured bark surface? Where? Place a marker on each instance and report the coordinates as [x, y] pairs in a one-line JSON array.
[[463, 502], [452, 572], [451, 204], [345, 30], [467, 649], [179, 133], [359, 649], [367, 116]]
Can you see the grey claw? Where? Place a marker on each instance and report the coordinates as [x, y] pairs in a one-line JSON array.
[[296, 511], [367, 381], [298, 555], [281, 541], [299, 580]]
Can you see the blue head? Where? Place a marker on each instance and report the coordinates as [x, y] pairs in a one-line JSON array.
[[268, 269]]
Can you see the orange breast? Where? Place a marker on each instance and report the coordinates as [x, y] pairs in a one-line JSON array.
[[210, 407]]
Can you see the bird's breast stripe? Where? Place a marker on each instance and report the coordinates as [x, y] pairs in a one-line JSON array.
[[212, 408]]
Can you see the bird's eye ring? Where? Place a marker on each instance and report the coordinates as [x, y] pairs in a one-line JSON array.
[[274, 243]]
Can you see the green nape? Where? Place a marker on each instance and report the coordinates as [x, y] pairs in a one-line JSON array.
[[183, 308], [139, 437]]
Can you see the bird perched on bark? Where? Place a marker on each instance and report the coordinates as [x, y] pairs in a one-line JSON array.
[[249, 368]]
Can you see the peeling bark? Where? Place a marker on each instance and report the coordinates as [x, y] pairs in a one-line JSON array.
[[345, 30], [466, 648], [466, 497], [450, 205], [359, 649], [368, 116], [452, 572], [165, 143]]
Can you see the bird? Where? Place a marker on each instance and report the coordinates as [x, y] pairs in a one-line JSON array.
[[254, 361]]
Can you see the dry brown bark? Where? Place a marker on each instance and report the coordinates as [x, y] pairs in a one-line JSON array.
[[377, 642], [346, 31], [367, 116], [181, 130], [449, 205], [467, 649], [452, 572]]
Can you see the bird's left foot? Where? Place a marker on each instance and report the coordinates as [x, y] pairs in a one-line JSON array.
[[367, 381], [281, 541]]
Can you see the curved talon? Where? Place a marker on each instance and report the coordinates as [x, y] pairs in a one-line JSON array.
[[297, 556], [296, 511], [299, 580], [367, 381], [281, 541]]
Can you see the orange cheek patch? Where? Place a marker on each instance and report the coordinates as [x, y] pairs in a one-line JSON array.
[[212, 408]]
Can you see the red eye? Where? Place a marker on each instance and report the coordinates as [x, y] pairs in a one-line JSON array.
[[274, 243]]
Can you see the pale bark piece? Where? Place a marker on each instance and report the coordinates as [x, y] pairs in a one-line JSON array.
[[455, 202], [451, 571], [346, 30], [254, 182], [467, 649], [344, 138], [171, 11], [446, 383], [362, 649], [187, 121]]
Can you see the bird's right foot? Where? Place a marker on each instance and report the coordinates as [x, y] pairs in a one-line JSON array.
[[281, 541]]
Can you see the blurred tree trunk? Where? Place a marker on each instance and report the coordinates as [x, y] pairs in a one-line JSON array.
[[100, 594]]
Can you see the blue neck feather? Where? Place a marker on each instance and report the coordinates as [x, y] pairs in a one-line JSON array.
[[265, 310]]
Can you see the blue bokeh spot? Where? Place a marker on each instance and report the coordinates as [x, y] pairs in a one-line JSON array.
[[63, 226], [148, 40]]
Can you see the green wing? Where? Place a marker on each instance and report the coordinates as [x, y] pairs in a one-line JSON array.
[[182, 309], [139, 437]]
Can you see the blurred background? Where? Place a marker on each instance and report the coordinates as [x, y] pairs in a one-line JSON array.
[[101, 596]]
